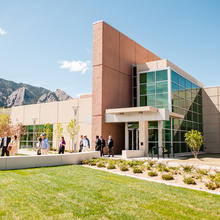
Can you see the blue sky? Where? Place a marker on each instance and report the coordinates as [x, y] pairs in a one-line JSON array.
[[48, 43]]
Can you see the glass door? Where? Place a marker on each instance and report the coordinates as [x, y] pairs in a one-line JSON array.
[[133, 139]]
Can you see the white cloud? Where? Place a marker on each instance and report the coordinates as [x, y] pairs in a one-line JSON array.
[[2, 32], [75, 65]]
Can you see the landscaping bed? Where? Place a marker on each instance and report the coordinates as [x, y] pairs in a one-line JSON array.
[[185, 176]]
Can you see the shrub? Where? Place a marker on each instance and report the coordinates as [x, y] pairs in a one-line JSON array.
[[151, 162], [135, 163], [152, 173], [217, 180], [212, 176], [167, 176], [85, 161], [111, 166], [92, 162], [189, 180], [148, 167], [123, 167], [137, 169], [174, 168], [101, 164], [160, 166], [198, 176], [210, 185], [187, 169], [202, 171]]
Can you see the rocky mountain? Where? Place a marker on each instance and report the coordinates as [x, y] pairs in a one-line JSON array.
[[15, 94]]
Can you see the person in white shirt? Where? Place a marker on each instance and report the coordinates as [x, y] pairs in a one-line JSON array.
[[85, 144]]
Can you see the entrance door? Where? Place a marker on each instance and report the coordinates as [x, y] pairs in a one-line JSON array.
[[133, 139]]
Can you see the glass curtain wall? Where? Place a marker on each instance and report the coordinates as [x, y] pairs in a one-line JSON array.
[[33, 132], [186, 100], [153, 89]]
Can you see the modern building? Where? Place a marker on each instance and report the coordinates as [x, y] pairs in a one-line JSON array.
[[143, 101]]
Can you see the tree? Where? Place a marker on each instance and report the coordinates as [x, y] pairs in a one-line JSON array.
[[18, 130], [58, 132], [73, 129], [48, 131], [194, 140], [4, 124]]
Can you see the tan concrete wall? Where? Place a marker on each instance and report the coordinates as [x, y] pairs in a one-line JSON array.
[[113, 57], [21, 162], [57, 112], [211, 119]]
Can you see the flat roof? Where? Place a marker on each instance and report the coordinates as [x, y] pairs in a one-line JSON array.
[[139, 110], [164, 63]]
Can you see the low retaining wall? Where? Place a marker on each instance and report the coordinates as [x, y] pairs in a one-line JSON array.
[[21, 162], [132, 153]]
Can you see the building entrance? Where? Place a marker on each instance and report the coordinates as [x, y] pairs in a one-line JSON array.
[[133, 139]]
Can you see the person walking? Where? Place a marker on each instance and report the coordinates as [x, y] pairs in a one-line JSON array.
[[45, 145], [4, 144], [39, 145], [102, 146], [13, 146], [88, 141], [62, 146], [81, 143], [110, 146], [97, 143], [85, 144]]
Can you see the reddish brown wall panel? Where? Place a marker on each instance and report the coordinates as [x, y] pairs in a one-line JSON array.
[[113, 57]]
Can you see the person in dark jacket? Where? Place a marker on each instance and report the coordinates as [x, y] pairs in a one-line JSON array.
[[110, 146], [97, 144], [81, 143], [102, 146], [4, 144]]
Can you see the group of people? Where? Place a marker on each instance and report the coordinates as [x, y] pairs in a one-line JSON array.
[[9, 145], [84, 144], [100, 145], [43, 145]]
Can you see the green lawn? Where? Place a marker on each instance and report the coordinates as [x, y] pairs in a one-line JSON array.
[[76, 192]]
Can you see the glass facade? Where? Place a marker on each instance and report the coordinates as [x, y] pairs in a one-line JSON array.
[[186, 100], [33, 132], [152, 89]]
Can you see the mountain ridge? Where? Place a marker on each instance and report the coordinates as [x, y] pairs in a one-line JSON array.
[[16, 94]]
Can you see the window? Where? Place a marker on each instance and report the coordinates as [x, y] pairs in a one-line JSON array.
[[143, 100], [174, 77], [142, 78], [151, 100], [182, 81], [162, 87], [150, 89], [162, 99], [161, 75], [142, 89], [150, 77]]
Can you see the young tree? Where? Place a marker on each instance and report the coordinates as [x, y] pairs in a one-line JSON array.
[[73, 129], [4, 124], [194, 140], [58, 132], [18, 130], [47, 130]]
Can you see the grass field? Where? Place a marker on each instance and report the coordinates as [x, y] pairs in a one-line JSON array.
[[76, 192]]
